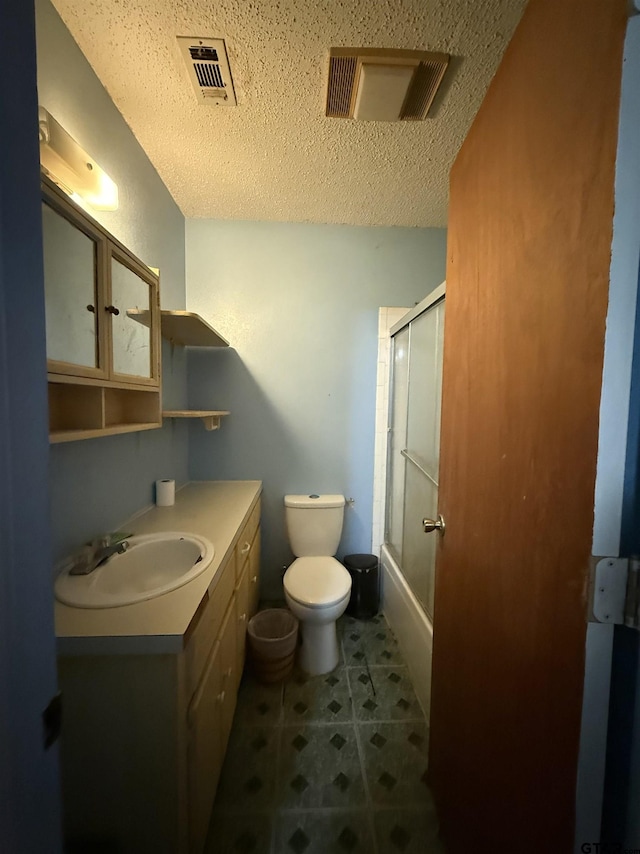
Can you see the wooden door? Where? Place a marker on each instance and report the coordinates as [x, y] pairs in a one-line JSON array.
[[530, 227], [29, 775]]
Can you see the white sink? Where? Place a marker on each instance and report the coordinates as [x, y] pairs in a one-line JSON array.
[[153, 564]]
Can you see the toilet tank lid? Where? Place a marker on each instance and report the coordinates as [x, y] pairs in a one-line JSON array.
[[303, 502]]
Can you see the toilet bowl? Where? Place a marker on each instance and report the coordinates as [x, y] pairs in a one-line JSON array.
[[317, 591]]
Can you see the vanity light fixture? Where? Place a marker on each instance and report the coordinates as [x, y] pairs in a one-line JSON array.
[[70, 167]]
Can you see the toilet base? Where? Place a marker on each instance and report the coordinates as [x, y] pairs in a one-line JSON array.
[[319, 651]]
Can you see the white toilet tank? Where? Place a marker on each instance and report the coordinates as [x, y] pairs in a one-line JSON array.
[[314, 523]]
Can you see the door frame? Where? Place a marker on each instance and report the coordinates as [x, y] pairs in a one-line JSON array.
[[424, 305], [29, 785], [406, 616], [613, 469]]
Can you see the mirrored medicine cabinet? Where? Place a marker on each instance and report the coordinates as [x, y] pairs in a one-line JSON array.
[[102, 325]]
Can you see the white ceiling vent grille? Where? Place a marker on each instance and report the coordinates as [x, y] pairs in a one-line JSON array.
[[342, 75], [382, 84], [208, 68]]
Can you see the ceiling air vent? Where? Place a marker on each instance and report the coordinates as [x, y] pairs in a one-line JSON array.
[[382, 84], [208, 68]]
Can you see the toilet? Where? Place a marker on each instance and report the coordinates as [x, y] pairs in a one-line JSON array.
[[316, 586]]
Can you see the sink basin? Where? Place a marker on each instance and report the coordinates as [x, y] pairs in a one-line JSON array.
[[152, 565]]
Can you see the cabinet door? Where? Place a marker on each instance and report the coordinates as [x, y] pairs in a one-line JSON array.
[[133, 306], [205, 751], [229, 665], [208, 626], [242, 617], [74, 258], [254, 575]]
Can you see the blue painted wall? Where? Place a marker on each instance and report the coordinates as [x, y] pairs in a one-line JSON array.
[[29, 788], [299, 304], [96, 484]]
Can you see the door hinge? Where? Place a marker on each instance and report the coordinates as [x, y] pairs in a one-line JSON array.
[[616, 594]]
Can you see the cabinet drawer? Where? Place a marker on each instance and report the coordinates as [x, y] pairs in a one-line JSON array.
[[208, 626]]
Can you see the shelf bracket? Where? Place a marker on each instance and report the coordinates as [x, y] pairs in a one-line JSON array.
[[211, 422], [209, 417]]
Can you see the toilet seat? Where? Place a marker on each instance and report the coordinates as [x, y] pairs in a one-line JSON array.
[[317, 582]]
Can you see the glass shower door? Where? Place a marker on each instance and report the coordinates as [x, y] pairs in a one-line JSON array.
[[397, 438], [414, 448]]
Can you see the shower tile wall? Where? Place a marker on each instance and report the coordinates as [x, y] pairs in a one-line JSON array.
[[333, 763], [387, 317]]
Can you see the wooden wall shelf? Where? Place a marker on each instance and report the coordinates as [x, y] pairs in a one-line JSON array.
[[210, 417], [58, 436], [185, 328]]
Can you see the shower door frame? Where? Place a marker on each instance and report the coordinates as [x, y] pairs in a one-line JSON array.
[[436, 296]]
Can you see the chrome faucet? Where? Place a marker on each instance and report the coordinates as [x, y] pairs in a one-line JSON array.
[[98, 551]]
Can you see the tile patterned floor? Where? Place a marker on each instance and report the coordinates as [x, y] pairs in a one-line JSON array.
[[333, 763]]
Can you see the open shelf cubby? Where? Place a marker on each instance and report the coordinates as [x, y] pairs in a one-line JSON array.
[[127, 406], [86, 411], [75, 407]]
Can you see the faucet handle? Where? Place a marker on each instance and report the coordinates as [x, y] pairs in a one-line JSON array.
[[81, 562], [111, 539], [98, 551], [118, 537]]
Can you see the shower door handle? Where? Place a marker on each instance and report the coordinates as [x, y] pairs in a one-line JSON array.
[[429, 525]]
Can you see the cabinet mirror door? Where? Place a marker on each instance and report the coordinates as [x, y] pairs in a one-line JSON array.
[[133, 304], [71, 257]]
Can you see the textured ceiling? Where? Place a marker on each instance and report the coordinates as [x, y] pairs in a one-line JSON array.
[[276, 156]]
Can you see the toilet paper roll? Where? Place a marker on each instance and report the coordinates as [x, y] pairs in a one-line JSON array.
[[165, 493]]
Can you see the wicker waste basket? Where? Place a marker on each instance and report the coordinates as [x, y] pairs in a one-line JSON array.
[[273, 637]]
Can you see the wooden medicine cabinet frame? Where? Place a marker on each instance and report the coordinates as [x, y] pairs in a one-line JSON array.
[[90, 401]]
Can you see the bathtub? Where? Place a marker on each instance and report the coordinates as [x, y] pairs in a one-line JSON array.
[[410, 624]]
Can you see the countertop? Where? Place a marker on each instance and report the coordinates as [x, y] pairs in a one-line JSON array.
[[216, 510]]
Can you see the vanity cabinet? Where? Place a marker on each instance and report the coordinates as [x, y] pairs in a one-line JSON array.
[[103, 365], [144, 736]]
